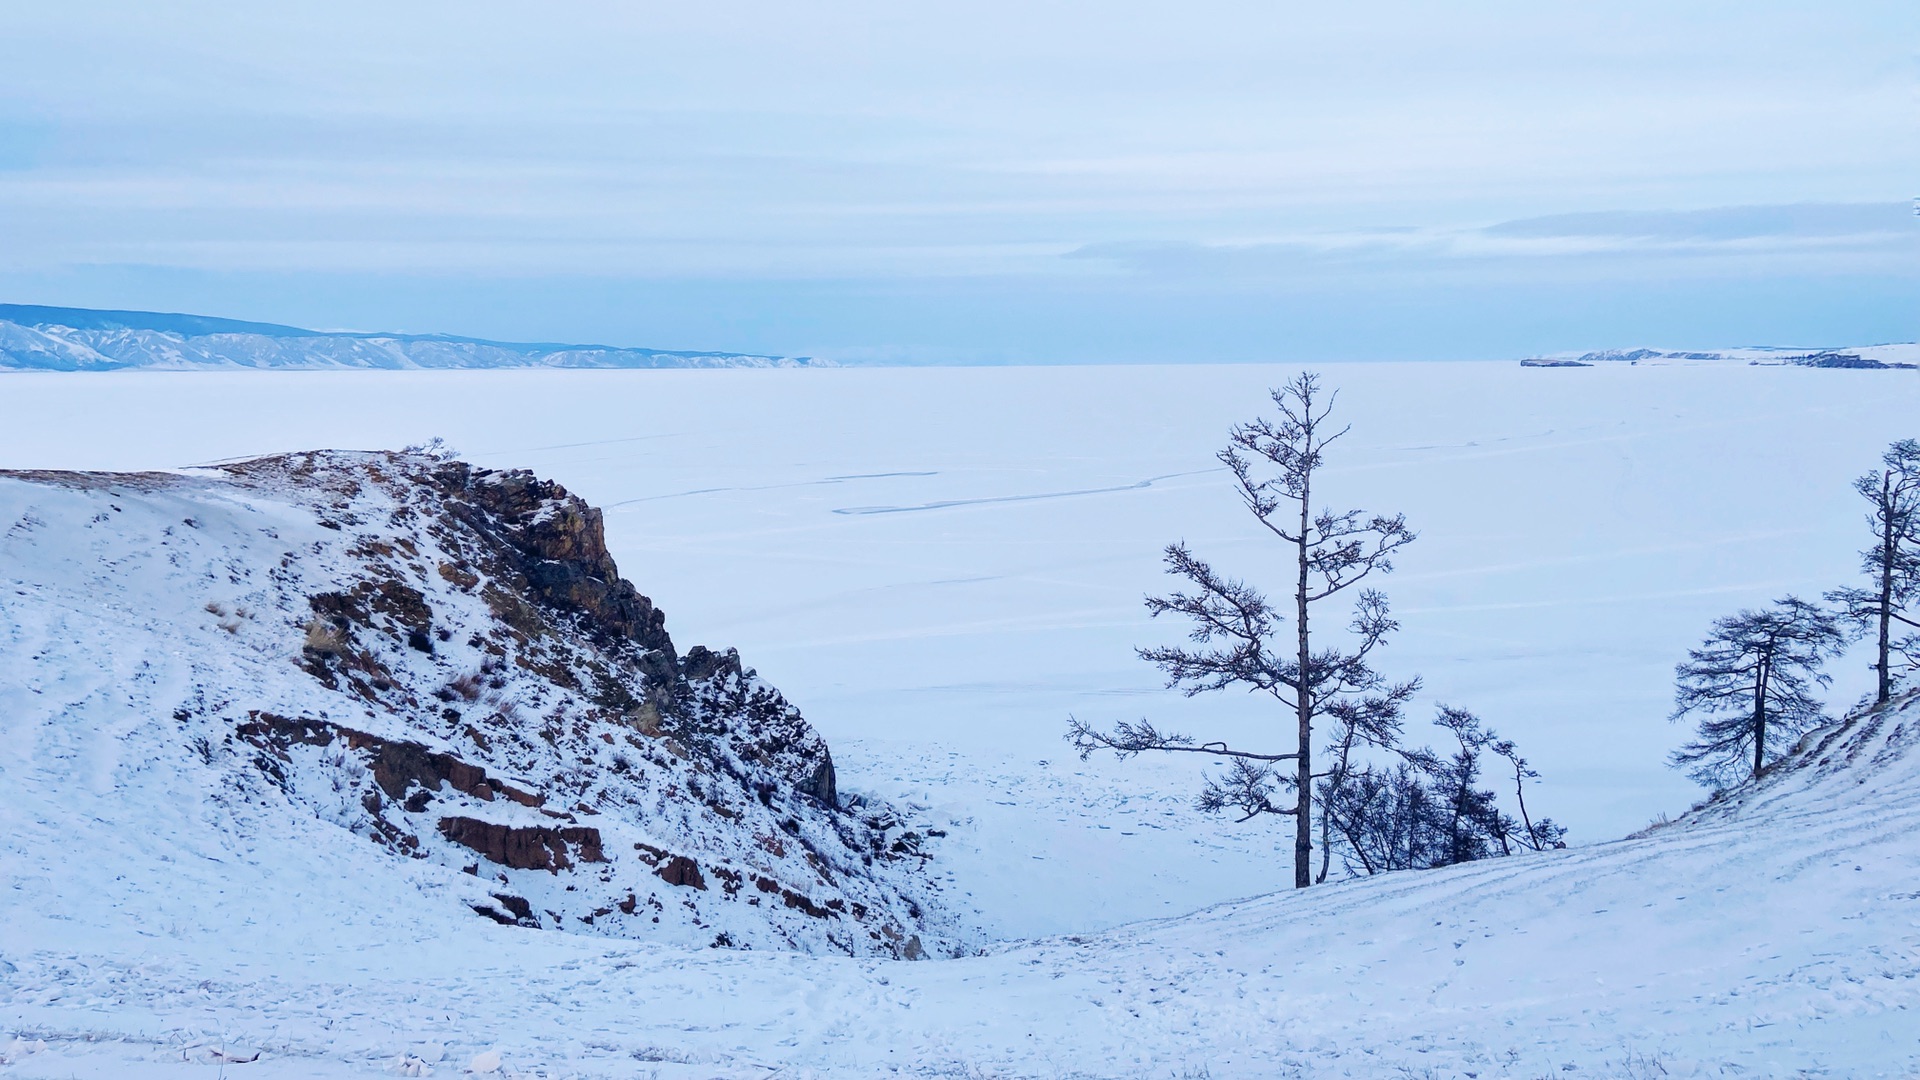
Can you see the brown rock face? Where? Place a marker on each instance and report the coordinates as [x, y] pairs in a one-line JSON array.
[[704, 663], [270, 730], [395, 764], [717, 685], [525, 847], [557, 544], [802, 903], [820, 783], [561, 548], [681, 870], [516, 905]]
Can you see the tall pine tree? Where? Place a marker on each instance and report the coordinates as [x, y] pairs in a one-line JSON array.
[[1242, 640], [1892, 567], [1749, 687]]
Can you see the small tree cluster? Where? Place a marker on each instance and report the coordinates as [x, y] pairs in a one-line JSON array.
[[1750, 686], [1430, 809]]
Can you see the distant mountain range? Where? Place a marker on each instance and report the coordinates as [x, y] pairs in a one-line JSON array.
[[35, 338], [1864, 356]]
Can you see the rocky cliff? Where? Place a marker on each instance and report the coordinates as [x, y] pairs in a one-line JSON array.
[[445, 661]]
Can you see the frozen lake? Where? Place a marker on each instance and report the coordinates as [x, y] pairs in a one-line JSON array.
[[941, 565]]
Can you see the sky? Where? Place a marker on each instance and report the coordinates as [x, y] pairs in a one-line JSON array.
[[989, 182]]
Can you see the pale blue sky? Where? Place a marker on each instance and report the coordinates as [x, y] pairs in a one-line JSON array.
[[982, 182]]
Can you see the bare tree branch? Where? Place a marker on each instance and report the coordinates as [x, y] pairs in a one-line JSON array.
[[1126, 740]]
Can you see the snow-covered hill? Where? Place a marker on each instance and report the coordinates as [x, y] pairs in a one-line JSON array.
[[438, 664], [1777, 944], [36, 338], [177, 908]]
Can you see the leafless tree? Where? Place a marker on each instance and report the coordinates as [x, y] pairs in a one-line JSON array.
[[1892, 564], [1751, 686], [1239, 639], [1429, 809], [1538, 835]]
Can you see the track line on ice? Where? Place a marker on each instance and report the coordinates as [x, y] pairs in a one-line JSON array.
[[946, 504], [766, 487]]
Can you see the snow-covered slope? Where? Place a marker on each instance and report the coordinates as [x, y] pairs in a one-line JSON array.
[[175, 909], [436, 670], [78, 339], [1775, 942]]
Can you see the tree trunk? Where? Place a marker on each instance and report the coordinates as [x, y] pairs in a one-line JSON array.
[[1760, 717], [1520, 796], [1303, 709], [1326, 848], [1887, 541]]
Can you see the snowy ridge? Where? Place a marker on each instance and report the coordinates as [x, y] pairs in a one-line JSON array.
[[77, 339], [1862, 765], [439, 666]]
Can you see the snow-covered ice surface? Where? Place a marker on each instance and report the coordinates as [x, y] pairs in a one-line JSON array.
[[938, 566]]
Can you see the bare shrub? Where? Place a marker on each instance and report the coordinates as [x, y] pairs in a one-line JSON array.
[[324, 638]]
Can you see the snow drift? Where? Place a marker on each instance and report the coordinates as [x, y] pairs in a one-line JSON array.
[[444, 664]]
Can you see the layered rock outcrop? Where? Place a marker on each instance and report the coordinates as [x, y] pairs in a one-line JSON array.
[[445, 660]]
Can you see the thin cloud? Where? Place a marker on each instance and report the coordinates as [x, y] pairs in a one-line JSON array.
[[1839, 237], [1720, 223]]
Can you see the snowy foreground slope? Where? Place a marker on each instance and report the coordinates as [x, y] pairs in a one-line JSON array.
[[164, 923]]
